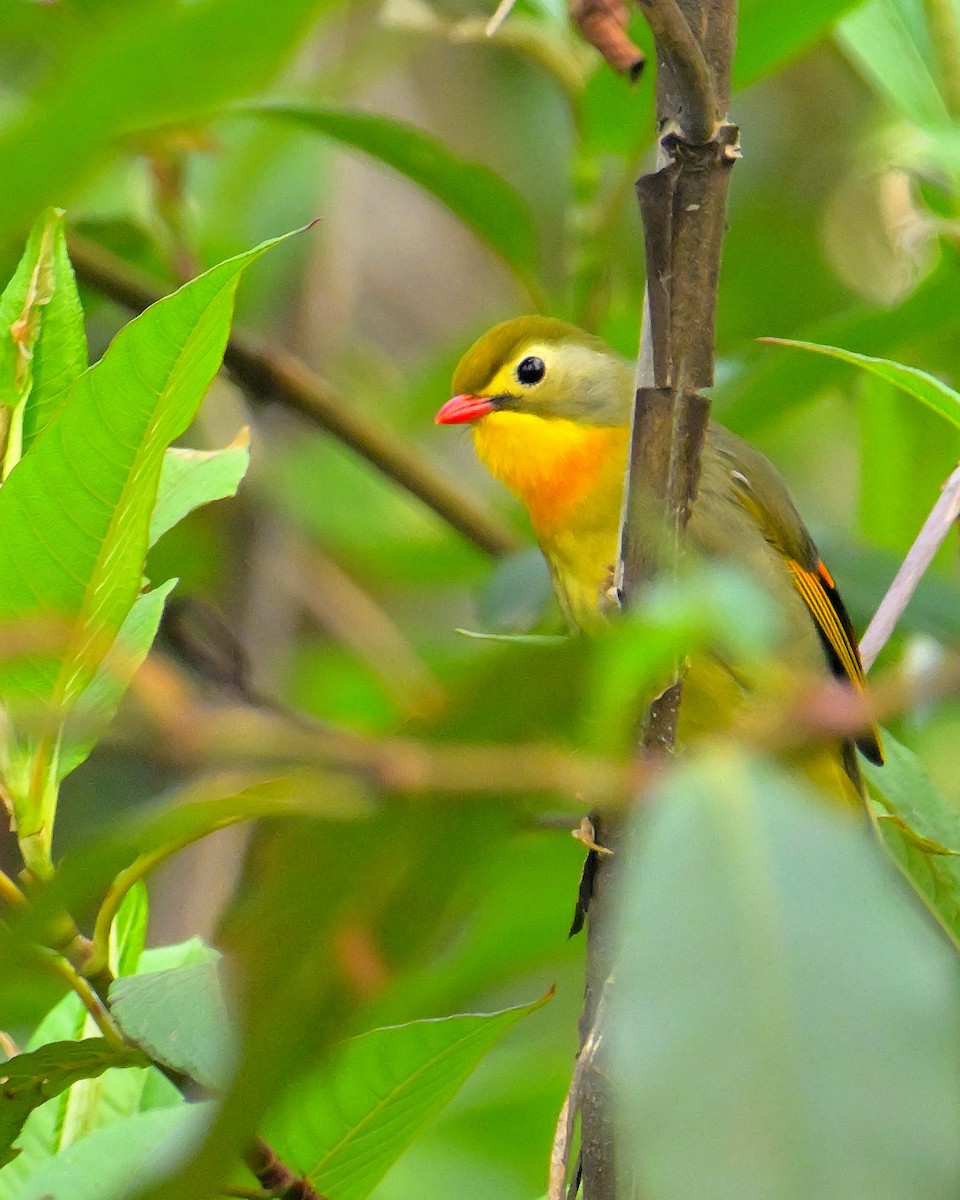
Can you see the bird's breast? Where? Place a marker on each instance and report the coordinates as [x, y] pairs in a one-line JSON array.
[[567, 474]]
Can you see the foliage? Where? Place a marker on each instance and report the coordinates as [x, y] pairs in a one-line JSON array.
[[786, 1017]]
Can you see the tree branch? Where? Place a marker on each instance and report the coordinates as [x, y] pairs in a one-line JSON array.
[[683, 207], [269, 374]]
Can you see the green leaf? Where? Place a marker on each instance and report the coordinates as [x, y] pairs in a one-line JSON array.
[[129, 932], [472, 192], [179, 1017], [115, 1162], [902, 788], [769, 35], [192, 478], [889, 42], [43, 347], [92, 476], [929, 390], [785, 1021], [345, 1127], [30, 1079]]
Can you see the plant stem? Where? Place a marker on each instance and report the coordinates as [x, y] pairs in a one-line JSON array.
[[91, 1001], [10, 892]]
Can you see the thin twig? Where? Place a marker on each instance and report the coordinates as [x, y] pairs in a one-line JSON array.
[[938, 524], [90, 999], [275, 1177], [267, 373]]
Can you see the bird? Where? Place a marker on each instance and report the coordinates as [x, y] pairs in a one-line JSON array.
[[550, 409]]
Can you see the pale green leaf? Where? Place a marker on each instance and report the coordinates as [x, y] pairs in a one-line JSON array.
[[115, 1162], [192, 478], [784, 1019], [180, 1018]]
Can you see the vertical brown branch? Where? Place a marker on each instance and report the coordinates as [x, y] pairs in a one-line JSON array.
[[683, 207]]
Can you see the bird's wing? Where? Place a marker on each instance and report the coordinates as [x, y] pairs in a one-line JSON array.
[[823, 601], [759, 489]]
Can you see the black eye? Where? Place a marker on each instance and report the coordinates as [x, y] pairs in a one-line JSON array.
[[531, 370]]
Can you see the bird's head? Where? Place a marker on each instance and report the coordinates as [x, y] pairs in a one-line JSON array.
[[541, 367]]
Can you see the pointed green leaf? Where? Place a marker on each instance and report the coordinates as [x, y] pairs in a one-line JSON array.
[[30, 1079], [344, 1127], [784, 1019], [478, 196], [75, 516], [192, 478], [929, 390]]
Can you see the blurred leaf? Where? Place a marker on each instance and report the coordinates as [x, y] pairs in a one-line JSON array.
[[765, 385], [179, 1017], [138, 69], [929, 390], [315, 935], [43, 348], [111, 1163], [768, 36], [902, 788], [889, 42], [345, 1127], [905, 452], [191, 478], [30, 1079], [141, 842], [472, 192], [783, 1016], [99, 461], [516, 593]]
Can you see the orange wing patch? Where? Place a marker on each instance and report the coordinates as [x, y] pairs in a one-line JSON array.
[[821, 597]]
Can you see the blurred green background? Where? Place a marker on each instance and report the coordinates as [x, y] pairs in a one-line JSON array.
[[176, 134]]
